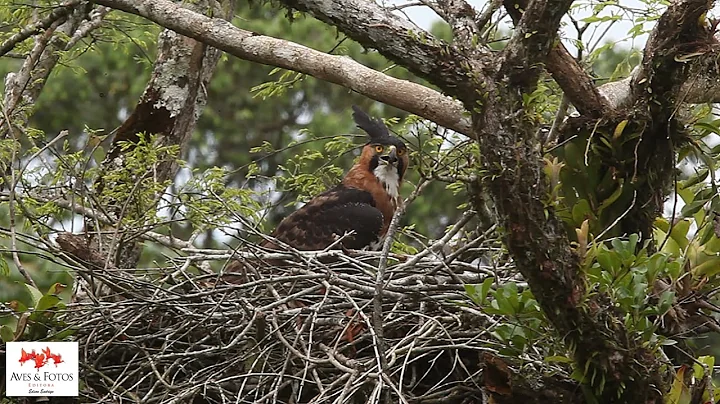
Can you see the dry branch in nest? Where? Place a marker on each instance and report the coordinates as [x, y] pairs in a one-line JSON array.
[[297, 330]]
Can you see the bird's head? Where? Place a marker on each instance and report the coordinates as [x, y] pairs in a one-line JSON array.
[[384, 155]]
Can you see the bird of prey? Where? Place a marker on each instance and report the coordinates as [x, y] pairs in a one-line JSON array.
[[359, 209]]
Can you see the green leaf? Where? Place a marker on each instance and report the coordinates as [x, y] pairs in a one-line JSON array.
[[485, 287], [707, 127], [99, 154], [655, 264], [560, 359], [64, 334], [47, 302], [519, 342], [4, 268], [679, 233], [612, 198], [581, 211], [665, 301], [6, 333], [692, 208], [478, 293], [679, 392], [598, 18], [606, 142], [578, 375], [18, 306], [636, 30], [699, 177], [698, 370], [708, 268], [632, 241], [608, 260], [619, 129], [620, 246], [503, 306], [56, 289], [506, 300], [36, 295]]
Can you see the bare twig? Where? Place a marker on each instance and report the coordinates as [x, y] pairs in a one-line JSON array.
[[97, 17], [32, 29]]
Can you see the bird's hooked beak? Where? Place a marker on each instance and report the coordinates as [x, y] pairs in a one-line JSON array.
[[391, 156]]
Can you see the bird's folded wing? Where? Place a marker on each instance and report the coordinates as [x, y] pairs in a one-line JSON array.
[[331, 215]]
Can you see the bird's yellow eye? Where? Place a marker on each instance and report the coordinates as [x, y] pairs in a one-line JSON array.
[[379, 149], [400, 152]]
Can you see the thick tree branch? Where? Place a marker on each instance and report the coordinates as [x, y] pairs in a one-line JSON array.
[[462, 19], [598, 102], [532, 39], [535, 236], [680, 31], [169, 108], [490, 8], [575, 82], [411, 97], [398, 40], [657, 90], [538, 242], [700, 86]]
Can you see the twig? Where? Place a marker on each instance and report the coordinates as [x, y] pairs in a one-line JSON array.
[[403, 6], [557, 122], [96, 19], [464, 219], [11, 209], [619, 218], [382, 265], [32, 29], [59, 137], [486, 15]]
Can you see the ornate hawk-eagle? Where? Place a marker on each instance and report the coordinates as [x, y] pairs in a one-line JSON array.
[[363, 204]]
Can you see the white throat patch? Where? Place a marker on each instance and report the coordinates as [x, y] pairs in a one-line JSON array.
[[388, 176]]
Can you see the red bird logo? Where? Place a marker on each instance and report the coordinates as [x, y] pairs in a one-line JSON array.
[[24, 356], [40, 359], [57, 358]]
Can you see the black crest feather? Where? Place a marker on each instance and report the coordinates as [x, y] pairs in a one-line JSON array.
[[373, 126]]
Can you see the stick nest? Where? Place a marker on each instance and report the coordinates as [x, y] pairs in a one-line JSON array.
[[294, 330]]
